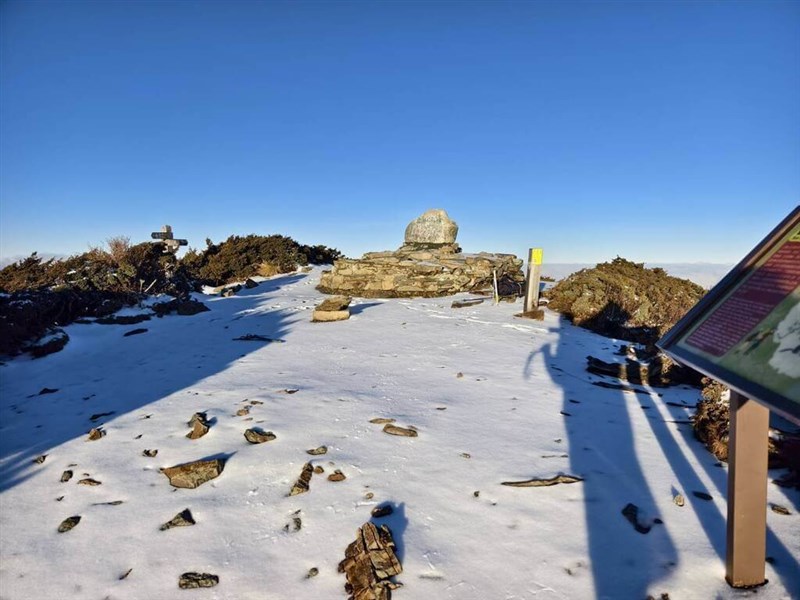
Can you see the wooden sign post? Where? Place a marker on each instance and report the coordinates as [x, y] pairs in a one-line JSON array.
[[533, 280], [745, 333], [165, 237]]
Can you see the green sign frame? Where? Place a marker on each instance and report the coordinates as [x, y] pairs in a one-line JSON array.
[[745, 332]]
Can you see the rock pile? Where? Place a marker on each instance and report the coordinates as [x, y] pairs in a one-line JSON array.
[[429, 264]]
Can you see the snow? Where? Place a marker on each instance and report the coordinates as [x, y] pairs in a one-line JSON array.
[[501, 420]]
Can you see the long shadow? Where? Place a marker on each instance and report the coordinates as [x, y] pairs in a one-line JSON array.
[[101, 372], [624, 560]]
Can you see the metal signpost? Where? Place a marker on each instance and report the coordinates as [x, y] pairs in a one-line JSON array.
[[746, 333], [533, 279]]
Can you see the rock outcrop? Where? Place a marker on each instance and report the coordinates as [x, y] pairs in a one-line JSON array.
[[429, 264]]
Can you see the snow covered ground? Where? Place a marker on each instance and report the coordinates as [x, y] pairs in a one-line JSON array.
[[494, 398]]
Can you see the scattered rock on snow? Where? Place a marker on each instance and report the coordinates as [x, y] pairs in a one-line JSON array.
[[312, 572], [631, 512], [257, 436], [250, 284], [337, 475], [318, 470], [243, 412], [199, 424], [66, 476], [781, 510], [402, 431], [89, 481], [150, 453], [40, 459], [301, 485], [68, 523], [382, 511], [193, 474], [182, 519], [381, 421], [678, 500], [197, 580], [125, 574], [332, 309], [96, 434], [369, 563], [255, 337], [317, 451], [536, 482]]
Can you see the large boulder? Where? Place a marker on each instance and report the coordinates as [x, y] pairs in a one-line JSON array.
[[432, 228]]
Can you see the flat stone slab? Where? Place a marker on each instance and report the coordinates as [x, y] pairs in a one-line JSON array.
[[326, 316], [194, 474]]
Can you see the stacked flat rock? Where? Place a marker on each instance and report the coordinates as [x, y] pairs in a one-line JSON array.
[[429, 264], [332, 309]]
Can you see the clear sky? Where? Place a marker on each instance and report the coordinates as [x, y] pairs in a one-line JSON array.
[[658, 131]]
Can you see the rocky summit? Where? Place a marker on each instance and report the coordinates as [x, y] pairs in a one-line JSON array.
[[429, 264]]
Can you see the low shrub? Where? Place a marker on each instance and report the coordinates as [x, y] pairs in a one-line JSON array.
[[238, 258], [623, 299]]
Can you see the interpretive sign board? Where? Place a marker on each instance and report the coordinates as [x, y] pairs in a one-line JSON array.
[[746, 331]]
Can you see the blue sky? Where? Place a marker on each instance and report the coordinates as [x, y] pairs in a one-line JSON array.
[[658, 131]]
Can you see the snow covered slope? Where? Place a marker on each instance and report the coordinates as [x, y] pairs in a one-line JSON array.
[[494, 399]]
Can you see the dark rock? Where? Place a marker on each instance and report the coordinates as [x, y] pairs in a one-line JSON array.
[[536, 482], [47, 391], [242, 412], [112, 503], [197, 580], [97, 416], [66, 476], [781, 510], [182, 519], [369, 563], [135, 332], [193, 474], [302, 484], [382, 511], [318, 451], [182, 307], [89, 481], [40, 459], [258, 436], [122, 320], [312, 572], [68, 524], [52, 342], [255, 337], [150, 453], [125, 574], [631, 512], [250, 284]]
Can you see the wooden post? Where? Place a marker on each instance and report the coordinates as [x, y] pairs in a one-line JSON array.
[[532, 281], [747, 492]]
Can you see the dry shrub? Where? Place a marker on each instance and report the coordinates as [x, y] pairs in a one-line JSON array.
[[625, 300], [268, 270]]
